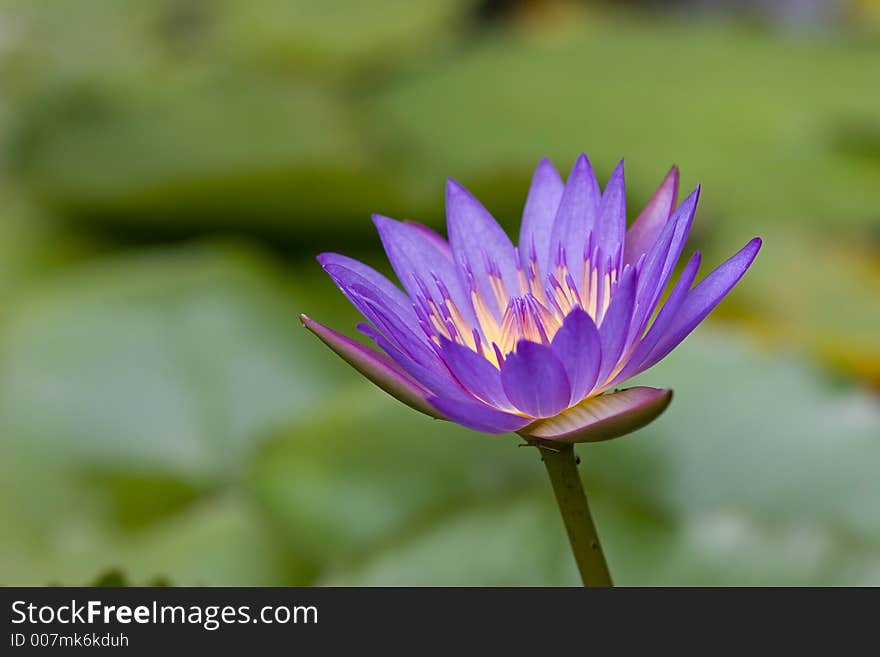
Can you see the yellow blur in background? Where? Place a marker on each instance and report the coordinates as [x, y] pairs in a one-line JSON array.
[[169, 168]]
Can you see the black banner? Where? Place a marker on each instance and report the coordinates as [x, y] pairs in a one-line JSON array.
[[415, 620]]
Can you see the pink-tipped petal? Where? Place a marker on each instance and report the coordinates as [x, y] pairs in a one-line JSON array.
[[603, 417], [646, 228], [378, 368]]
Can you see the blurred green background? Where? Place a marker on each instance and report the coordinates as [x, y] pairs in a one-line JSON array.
[[169, 168]]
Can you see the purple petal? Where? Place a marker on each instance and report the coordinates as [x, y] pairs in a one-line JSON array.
[[432, 235], [477, 416], [411, 340], [661, 261], [603, 417], [611, 226], [683, 218], [417, 257], [646, 228], [701, 300], [577, 346], [377, 367], [434, 376], [477, 240], [535, 380], [380, 302], [475, 373], [538, 215], [615, 325], [576, 216], [661, 323], [346, 271]]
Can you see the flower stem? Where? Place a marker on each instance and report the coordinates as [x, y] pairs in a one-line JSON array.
[[559, 459]]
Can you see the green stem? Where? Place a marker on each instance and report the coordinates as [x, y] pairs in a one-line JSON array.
[[559, 459]]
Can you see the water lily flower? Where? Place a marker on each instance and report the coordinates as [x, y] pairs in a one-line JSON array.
[[533, 338]]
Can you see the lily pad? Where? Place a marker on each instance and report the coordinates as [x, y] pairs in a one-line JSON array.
[[486, 114], [267, 155], [133, 391], [176, 361]]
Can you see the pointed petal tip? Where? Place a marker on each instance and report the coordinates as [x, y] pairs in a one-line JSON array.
[[691, 201], [457, 193], [546, 168], [582, 163], [751, 249], [379, 219], [453, 186], [603, 417], [617, 176], [582, 173], [672, 178]]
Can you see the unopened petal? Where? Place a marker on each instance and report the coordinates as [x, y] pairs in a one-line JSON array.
[[603, 417]]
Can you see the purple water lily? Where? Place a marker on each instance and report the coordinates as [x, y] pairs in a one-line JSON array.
[[530, 338]]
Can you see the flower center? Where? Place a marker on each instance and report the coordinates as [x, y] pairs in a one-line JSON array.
[[535, 311]]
